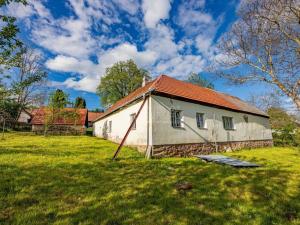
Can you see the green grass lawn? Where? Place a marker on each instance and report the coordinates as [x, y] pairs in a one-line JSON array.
[[72, 180]]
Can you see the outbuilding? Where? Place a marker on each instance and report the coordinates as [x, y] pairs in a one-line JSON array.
[[67, 121]]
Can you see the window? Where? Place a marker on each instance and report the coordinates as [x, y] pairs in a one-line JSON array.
[[132, 116], [109, 126], [228, 123], [176, 118], [246, 118], [200, 120]]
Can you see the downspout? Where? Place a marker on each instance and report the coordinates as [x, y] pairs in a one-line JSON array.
[[215, 132], [148, 154]]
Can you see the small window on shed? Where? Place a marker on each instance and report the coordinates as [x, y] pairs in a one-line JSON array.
[[132, 116], [228, 123], [200, 120], [246, 118], [176, 118]]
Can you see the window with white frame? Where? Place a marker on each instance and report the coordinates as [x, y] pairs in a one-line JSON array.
[[132, 116], [109, 126], [200, 120], [176, 118], [228, 123]]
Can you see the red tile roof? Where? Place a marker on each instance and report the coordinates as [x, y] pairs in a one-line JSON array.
[[165, 85], [32, 111], [39, 117], [93, 115]]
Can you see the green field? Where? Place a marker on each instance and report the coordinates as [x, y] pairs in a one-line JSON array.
[[72, 180]]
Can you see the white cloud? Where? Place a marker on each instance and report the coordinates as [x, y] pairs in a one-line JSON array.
[[130, 6], [161, 41], [87, 83], [24, 11], [72, 36], [92, 71], [197, 23], [192, 18], [203, 43], [127, 51], [70, 64], [74, 41], [19, 10], [154, 11], [181, 65]]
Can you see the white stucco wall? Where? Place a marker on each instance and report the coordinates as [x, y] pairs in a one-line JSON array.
[[257, 128], [24, 117], [161, 132], [121, 122]]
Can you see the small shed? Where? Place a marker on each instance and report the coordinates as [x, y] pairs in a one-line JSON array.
[[67, 121], [93, 116]]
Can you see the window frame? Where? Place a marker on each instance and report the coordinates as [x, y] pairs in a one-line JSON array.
[[203, 120], [132, 116], [109, 126], [176, 122], [225, 123]]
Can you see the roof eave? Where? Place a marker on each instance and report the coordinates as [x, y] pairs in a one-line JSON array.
[[125, 104], [157, 93]]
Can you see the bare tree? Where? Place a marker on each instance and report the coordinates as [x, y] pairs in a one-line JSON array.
[[266, 100], [29, 82], [264, 46]]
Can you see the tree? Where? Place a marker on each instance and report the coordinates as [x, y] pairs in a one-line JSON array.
[[266, 100], [29, 81], [284, 128], [279, 118], [197, 79], [9, 43], [264, 46], [80, 103], [119, 80], [24, 85], [58, 99]]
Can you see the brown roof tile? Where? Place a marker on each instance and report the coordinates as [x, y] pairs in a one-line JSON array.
[[93, 115], [169, 86], [39, 117]]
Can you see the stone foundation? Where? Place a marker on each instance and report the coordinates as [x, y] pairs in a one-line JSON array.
[[59, 130], [187, 150]]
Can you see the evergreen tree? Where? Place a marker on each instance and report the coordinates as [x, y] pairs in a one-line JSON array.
[[80, 103], [58, 99]]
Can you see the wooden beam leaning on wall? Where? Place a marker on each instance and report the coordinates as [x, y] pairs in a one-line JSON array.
[[130, 127]]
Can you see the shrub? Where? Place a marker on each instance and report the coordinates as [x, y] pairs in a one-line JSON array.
[[287, 136]]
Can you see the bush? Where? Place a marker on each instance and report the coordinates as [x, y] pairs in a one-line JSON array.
[[287, 136]]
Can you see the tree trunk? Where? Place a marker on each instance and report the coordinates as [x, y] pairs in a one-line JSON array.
[[297, 102], [3, 129]]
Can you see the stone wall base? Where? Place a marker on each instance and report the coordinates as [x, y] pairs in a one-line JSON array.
[[187, 150], [59, 130]]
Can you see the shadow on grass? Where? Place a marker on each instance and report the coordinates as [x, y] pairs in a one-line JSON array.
[[137, 191]]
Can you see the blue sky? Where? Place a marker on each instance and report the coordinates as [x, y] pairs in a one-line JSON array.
[[80, 38]]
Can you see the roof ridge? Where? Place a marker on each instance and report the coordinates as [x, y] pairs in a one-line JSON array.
[[156, 81]]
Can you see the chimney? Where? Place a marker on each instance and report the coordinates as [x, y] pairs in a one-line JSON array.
[[145, 81]]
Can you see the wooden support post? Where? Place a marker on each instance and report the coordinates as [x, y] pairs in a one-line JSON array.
[[129, 129]]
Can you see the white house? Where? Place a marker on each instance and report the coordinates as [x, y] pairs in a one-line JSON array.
[[182, 119]]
